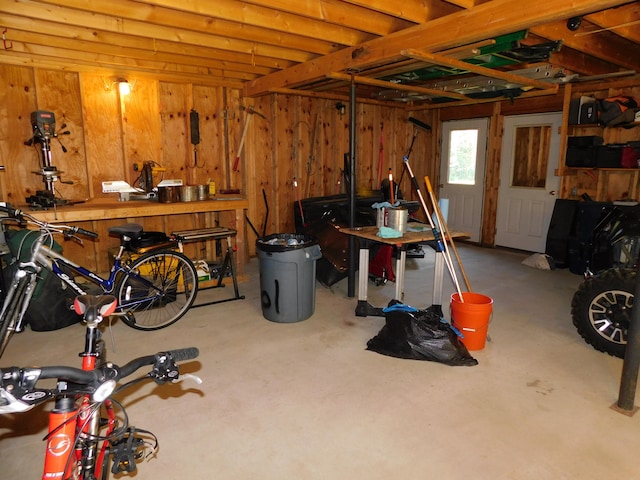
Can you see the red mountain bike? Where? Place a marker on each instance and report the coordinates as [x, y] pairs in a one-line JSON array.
[[89, 435]]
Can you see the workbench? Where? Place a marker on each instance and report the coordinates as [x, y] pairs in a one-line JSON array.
[[368, 236], [100, 209]]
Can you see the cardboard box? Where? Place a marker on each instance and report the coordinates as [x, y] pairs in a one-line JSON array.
[[202, 269]]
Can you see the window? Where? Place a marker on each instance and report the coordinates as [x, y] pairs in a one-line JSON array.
[[463, 148], [531, 156]]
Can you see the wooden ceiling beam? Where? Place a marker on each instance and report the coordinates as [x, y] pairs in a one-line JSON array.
[[623, 21], [44, 11], [125, 41], [616, 50], [124, 62], [531, 94], [484, 71], [415, 11], [54, 63], [219, 27], [487, 20], [329, 13], [88, 50], [396, 86]]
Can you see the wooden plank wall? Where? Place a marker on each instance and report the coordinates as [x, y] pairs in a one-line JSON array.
[[306, 139], [299, 137]]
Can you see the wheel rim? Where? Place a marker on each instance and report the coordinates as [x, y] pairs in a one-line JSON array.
[[609, 314], [173, 291]]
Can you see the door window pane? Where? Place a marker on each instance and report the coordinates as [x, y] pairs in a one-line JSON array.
[[531, 156], [463, 148]]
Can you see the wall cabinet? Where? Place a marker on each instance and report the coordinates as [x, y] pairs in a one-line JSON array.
[[601, 184]]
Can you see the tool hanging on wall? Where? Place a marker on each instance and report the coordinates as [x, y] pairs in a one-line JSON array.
[[391, 196], [444, 228], [380, 157], [312, 145], [295, 186], [422, 125], [194, 125], [250, 111]]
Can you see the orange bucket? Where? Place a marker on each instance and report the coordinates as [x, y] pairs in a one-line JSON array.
[[472, 317]]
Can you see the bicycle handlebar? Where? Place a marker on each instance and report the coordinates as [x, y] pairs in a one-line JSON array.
[[19, 393], [21, 217]]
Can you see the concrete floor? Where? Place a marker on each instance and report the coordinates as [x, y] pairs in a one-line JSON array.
[[306, 400]]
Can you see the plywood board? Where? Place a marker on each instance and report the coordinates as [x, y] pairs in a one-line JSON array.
[[17, 101]]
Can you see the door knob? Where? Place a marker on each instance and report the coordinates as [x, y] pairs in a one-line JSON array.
[[552, 192]]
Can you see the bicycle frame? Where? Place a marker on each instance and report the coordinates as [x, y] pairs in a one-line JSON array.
[[74, 424], [54, 261]]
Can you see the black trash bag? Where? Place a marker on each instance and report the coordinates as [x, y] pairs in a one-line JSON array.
[[419, 335]]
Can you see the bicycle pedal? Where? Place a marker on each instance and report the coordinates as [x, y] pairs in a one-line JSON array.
[[130, 316]]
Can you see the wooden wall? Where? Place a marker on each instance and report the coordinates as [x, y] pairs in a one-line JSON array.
[[108, 135], [306, 139], [299, 137]]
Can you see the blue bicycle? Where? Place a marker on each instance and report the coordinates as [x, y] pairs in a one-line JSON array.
[[153, 290]]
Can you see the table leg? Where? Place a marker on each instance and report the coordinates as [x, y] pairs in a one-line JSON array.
[[401, 263], [438, 273], [364, 308]]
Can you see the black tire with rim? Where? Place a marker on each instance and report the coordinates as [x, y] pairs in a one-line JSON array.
[[172, 289], [601, 309]]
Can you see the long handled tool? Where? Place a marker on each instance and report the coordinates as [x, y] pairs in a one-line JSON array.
[[436, 233], [250, 111], [444, 228], [244, 135], [295, 186]]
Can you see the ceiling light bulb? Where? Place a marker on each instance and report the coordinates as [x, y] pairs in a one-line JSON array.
[[125, 88]]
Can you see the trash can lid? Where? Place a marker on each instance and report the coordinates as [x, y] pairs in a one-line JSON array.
[[283, 242]]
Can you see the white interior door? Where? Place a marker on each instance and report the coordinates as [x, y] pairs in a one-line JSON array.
[[462, 172], [528, 186]]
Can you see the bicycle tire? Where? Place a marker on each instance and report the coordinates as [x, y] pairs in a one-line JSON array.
[[157, 290], [10, 313]]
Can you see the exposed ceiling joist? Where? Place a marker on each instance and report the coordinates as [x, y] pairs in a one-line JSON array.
[[487, 72], [396, 86], [267, 45], [487, 20]]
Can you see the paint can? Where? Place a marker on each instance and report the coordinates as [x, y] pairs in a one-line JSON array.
[[397, 218]]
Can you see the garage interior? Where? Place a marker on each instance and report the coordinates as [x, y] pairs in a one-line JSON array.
[[286, 93]]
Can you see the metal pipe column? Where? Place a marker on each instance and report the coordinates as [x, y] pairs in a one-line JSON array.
[[629, 380], [351, 281]]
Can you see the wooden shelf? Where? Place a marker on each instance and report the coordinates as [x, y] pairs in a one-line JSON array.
[[105, 209], [601, 183]]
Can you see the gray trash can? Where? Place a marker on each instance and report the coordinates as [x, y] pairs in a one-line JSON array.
[[288, 276]]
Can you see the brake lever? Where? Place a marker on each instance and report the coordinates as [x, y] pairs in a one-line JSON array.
[[166, 370], [74, 237]]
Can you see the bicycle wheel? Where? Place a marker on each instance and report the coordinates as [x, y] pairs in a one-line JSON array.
[[157, 290], [11, 308]]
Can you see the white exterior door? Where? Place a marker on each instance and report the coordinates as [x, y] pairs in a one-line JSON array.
[[528, 186], [462, 173]]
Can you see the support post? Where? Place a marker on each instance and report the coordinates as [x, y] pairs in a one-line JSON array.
[[351, 282], [629, 380]]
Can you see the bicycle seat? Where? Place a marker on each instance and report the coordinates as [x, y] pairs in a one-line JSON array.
[[93, 306], [128, 231]]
